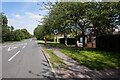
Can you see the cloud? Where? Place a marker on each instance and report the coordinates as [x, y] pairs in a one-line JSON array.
[[28, 21], [17, 16], [33, 16]]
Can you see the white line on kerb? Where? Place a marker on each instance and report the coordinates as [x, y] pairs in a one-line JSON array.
[[24, 46], [13, 56]]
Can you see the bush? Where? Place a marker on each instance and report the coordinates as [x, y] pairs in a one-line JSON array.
[[70, 41], [108, 42], [50, 39]]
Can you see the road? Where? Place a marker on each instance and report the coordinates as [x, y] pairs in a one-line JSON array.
[[24, 60]]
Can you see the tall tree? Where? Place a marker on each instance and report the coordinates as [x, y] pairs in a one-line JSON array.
[[64, 17], [39, 32]]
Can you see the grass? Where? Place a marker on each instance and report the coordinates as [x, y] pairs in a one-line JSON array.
[[50, 43], [14, 41], [56, 44], [55, 60], [97, 60]]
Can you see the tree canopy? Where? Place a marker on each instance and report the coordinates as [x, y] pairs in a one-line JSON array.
[[39, 32], [8, 32], [76, 17]]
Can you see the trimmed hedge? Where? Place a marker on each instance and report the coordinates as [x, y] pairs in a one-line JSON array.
[[38, 38], [108, 42], [50, 39], [70, 41]]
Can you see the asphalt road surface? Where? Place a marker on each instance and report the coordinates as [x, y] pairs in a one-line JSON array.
[[24, 60]]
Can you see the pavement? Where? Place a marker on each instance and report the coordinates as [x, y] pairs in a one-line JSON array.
[[76, 70], [24, 60]]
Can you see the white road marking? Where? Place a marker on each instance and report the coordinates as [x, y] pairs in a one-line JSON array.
[[24, 47], [13, 56], [11, 48], [25, 43]]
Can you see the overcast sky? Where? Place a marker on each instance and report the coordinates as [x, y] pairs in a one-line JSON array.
[[23, 14]]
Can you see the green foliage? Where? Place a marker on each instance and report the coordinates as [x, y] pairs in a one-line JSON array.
[[39, 32], [103, 16], [0, 27], [97, 60], [108, 42], [18, 35], [75, 17], [50, 38], [27, 35], [8, 33]]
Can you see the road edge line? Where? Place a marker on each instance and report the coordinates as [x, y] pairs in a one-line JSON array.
[[49, 62]]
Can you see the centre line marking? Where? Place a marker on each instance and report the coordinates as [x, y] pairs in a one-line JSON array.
[[13, 56], [24, 47]]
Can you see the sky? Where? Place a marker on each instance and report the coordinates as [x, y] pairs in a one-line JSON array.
[[23, 14]]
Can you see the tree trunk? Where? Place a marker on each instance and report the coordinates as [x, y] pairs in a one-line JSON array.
[[83, 35], [65, 36], [45, 40], [56, 39], [76, 39]]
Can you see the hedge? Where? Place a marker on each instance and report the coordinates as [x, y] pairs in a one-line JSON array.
[[50, 39], [108, 42], [70, 41]]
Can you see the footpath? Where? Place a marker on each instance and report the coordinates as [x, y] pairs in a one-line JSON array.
[[76, 70]]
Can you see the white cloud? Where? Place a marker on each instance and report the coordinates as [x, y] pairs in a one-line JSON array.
[[28, 21], [17, 16], [33, 16]]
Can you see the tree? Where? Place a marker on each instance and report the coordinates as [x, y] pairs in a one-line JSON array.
[[103, 17], [18, 35], [39, 32], [8, 33], [76, 17], [57, 22], [26, 33], [65, 15], [5, 29]]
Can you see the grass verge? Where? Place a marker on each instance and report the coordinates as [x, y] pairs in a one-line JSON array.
[[55, 61], [14, 41], [97, 60], [50, 43]]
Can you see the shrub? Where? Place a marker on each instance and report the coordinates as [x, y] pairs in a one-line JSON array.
[[50, 39], [108, 42], [70, 41]]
